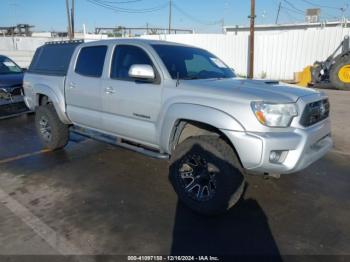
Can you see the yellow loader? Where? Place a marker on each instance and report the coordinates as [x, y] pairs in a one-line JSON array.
[[335, 71]]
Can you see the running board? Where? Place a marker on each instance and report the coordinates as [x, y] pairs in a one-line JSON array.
[[116, 141]]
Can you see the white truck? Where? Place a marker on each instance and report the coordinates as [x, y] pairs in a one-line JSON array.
[[168, 100]]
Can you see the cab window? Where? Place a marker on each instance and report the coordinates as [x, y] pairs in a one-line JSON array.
[[124, 57], [91, 60]]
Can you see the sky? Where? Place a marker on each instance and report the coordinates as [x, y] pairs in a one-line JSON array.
[[200, 15]]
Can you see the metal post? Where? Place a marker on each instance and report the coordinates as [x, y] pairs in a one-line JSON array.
[[251, 40], [170, 15], [69, 21], [72, 19]]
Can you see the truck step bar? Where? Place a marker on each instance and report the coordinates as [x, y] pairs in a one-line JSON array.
[[116, 141]]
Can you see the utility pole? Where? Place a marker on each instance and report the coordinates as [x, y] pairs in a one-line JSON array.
[[278, 12], [69, 21], [251, 40], [72, 19], [170, 14]]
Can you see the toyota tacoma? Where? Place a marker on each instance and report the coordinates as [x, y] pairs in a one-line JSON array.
[[182, 103]]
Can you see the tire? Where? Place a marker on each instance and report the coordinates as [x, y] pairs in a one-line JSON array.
[[334, 73], [206, 175], [52, 132]]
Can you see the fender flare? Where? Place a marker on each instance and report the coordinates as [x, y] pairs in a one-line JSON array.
[[193, 112], [57, 101]]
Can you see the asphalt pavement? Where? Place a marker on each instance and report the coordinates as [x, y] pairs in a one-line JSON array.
[[96, 199]]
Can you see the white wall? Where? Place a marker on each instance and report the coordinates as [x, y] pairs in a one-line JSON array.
[[20, 49], [277, 54]]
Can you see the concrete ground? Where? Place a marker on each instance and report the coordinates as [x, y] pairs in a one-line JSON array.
[[95, 199]]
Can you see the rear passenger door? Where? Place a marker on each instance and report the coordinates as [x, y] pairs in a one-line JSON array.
[[83, 87], [131, 108]]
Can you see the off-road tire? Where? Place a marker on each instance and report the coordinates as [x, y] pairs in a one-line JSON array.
[[59, 131], [230, 182], [333, 74]]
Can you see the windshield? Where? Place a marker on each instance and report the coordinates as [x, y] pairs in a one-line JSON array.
[[191, 63], [7, 66]]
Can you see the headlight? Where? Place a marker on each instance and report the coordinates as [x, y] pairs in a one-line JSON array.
[[274, 115], [4, 94]]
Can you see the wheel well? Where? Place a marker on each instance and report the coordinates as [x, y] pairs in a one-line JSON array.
[[187, 128], [43, 99]]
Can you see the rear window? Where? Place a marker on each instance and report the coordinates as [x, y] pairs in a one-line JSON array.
[[53, 59], [91, 60]]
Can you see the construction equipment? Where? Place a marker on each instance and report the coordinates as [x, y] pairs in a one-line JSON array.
[[335, 71]]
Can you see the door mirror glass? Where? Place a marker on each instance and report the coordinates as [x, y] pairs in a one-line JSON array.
[[142, 72]]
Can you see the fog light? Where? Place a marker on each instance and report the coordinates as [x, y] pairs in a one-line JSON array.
[[278, 156]]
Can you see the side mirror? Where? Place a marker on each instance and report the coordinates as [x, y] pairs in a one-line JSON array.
[[142, 72]]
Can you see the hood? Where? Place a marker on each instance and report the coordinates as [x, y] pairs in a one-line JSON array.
[[11, 80], [257, 90]]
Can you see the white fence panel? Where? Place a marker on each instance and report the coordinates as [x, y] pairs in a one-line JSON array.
[[278, 55]]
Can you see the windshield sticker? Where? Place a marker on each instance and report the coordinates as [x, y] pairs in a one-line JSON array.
[[9, 64], [218, 62]]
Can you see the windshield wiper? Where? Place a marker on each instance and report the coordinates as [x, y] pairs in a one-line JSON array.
[[190, 78]]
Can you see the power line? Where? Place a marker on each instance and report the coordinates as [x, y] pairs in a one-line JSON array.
[[340, 9], [130, 9], [278, 12], [321, 6], [122, 2], [111, 7], [199, 21], [290, 16], [293, 11], [293, 6]]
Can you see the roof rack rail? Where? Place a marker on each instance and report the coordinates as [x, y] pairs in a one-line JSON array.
[[65, 42]]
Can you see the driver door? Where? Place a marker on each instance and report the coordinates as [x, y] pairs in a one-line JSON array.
[[131, 108]]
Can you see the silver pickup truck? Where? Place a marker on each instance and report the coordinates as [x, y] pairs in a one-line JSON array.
[[168, 100]]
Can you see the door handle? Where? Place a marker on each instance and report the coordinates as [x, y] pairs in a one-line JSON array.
[[72, 85], [109, 91]]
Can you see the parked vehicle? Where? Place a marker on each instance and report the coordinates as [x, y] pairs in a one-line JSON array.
[[174, 101], [11, 88]]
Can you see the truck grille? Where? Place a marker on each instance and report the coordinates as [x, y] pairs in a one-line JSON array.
[[315, 112], [16, 91]]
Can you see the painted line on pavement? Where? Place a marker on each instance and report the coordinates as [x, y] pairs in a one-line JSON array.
[[56, 241], [11, 159]]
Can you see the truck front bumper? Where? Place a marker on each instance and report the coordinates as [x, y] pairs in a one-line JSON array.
[[298, 149], [13, 106]]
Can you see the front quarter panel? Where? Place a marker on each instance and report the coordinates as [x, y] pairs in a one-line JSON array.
[[192, 112]]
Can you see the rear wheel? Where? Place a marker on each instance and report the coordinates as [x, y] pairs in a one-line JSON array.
[[206, 174], [340, 73], [52, 132]]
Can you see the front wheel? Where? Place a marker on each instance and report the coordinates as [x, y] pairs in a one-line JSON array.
[[206, 174], [340, 73], [52, 132]]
